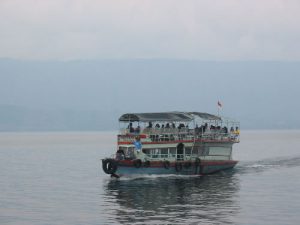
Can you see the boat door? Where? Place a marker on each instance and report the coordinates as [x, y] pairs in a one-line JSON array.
[[179, 152]]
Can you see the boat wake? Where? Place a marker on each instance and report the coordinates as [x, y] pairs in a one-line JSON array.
[[271, 163]]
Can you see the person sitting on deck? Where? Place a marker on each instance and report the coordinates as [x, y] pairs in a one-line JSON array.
[[205, 127], [237, 132], [225, 130], [157, 126], [120, 154], [137, 130], [167, 125], [197, 129], [131, 129], [181, 126], [150, 125]]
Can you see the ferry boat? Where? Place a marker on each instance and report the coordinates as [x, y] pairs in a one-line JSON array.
[[184, 143]]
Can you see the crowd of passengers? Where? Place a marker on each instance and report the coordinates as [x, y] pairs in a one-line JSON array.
[[212, 128], [157, 126], [198, 130]]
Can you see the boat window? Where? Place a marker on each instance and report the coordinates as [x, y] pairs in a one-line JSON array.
[[220, 151], [164, 151], [147, 150], [172, 152], [153, 153], [188, 151], [130, 152], [123, 148]]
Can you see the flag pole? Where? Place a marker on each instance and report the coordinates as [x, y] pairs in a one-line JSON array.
[[219, 106]]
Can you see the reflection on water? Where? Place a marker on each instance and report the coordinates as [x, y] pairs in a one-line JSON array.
[[176, 200]]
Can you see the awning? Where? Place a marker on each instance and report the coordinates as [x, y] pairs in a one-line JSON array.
[[205, 116], [166, 117]]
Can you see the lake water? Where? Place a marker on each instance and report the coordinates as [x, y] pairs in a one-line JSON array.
[[56, 178]]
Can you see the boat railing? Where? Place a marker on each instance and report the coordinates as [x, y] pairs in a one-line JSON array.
[[164, 130], [177, 157], [174, 134], [171, 137], [157, 156]]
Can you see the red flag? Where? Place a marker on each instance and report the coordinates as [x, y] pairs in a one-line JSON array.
[[219, 104]]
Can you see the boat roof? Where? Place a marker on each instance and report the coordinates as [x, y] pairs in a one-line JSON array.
[[166, 116], [206, 116]]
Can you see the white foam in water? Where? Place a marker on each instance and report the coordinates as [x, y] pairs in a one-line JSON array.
[[259, 166], [154, 176]]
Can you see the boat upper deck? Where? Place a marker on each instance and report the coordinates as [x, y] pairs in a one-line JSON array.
[[163, 128]]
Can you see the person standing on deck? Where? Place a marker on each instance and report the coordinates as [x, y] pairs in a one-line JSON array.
[[137, 144]]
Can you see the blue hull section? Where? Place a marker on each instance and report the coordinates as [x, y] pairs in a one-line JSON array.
[[199, 170]]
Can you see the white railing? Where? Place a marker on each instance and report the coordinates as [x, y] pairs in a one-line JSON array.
[[179, 157], [188, 136]]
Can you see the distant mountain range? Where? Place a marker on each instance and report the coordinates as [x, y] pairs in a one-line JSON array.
[[13, 118], [91, 95]]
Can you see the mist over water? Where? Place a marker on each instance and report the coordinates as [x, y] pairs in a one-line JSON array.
[[56, 178]]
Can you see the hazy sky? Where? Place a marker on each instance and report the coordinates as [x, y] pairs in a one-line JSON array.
[[170, 48], [189, 29]]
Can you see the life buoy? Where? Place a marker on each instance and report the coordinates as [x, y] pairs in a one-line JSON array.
[[147, 163], [109, 166], [178, 167], [187, 164], [166, 164], [137, 163]]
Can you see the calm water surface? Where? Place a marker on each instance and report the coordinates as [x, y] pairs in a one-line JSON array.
[[56, 178]]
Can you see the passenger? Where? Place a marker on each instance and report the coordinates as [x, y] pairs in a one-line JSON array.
[[181, 126], [137, 130], [131, 129], [225, 130], [167, 125], [157, 126], [205, 127], [162, 126], [196, 129], [137, 144], [120, 154], [201, 129], [237, 131], [150, 125], [173, 125], [231, 130]]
